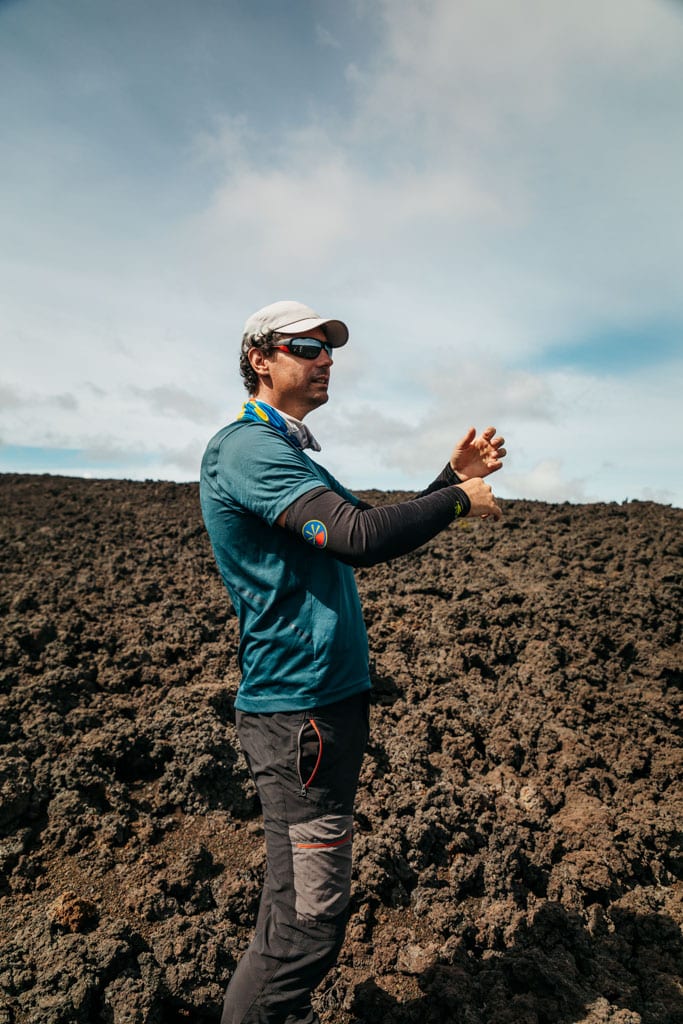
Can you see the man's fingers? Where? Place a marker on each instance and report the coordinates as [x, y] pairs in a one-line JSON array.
[[495, 512], [488, 441]]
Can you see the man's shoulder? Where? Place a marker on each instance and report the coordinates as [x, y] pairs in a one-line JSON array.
[[244, 442], [250, 466], [256, 451], [248, 432]]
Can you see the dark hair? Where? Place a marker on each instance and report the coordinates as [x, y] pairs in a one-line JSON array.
[[266, 341]]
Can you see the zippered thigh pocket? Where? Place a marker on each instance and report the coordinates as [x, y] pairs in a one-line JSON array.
[[309, 754]]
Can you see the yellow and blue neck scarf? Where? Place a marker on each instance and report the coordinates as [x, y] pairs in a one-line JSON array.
[[292, 429]]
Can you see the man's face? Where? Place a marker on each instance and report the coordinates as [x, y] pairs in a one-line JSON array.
[[300, 384]]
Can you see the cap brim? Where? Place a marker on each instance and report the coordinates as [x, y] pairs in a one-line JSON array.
[[336, 331]]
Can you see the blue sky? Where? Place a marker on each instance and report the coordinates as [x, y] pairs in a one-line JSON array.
[[488, 194]]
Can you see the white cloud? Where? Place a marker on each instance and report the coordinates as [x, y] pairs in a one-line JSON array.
[[171, 401], [492, 175], [560, 114], [495, 180], [473, 65], [304, 214], [187, 459], [477, 388], [10, 398], [13, 400], [571, 436], [546, 481]]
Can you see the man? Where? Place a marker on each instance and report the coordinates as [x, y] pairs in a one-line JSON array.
[[285, 535]]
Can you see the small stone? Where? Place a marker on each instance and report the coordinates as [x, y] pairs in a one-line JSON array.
[[72, 913], [415, 959]]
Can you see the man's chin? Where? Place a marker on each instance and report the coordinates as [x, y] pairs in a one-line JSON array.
[[320, 399]]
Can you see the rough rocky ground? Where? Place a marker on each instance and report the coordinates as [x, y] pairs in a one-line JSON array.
[[517, 849]]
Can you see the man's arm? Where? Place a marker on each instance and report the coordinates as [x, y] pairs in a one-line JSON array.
[[362, 535]]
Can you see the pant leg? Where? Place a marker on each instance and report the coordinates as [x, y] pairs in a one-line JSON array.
[[305, 766]]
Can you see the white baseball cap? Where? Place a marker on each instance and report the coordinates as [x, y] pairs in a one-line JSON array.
[[288, 317]]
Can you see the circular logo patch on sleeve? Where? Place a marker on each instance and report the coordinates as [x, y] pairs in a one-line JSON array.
[[314, 532]]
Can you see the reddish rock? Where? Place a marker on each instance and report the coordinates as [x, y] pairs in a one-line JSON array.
[[72, 913]]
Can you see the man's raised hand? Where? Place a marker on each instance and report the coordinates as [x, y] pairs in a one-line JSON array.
[[478, 456]]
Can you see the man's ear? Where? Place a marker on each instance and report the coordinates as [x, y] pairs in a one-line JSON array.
[[259, 362]]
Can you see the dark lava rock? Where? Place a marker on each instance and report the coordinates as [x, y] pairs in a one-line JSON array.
[[517, 849]]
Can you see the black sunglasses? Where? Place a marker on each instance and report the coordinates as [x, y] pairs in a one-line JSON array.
[[306, 348]]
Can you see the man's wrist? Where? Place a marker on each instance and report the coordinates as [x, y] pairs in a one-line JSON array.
[[454, 478], [462, 503]]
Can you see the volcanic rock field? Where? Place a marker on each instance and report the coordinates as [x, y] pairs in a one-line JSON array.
[[518, 824]]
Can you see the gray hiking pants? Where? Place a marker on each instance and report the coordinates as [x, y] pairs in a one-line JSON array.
[[305, 765]]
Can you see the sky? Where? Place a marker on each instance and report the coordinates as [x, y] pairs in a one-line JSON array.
[[489, 194]]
